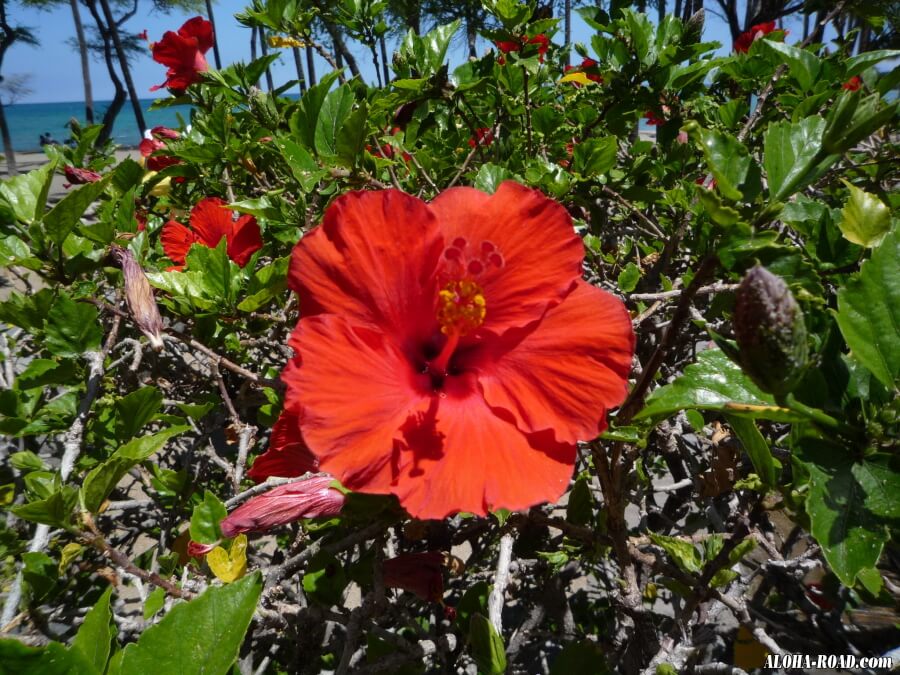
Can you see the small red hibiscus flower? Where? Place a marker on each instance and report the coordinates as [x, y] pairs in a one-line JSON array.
[[483, 136], [312, 497], [507, 46], [183, 54], [211, 220], [449, 352], [77, 176], [653, 120], [153, 143], [853, 84], [745, 39]]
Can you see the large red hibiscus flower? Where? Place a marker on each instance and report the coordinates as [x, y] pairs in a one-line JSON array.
[[183, 54], [210, 221], [450, 353]]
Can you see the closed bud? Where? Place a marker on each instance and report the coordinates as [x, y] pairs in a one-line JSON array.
[[310, 498], [770, 332], [139, 296], [418, 573]]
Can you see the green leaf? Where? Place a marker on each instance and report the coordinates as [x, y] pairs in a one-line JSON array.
[[720, 212], [102, 479], [486, 646], [629, 277], [64, 216], [334, 112], [580, 658], [14, 251], [55, 510], [728, 160], [127, 175], [791, 154], [756, 447], [155, 601], [206, 518], [595, 156], [351, 137], [221, 277], [714, 382], [304, 122], [305, 169], [580, 509], [869, 312], [473, 600], [865, 219], [856, 64], [51, 659], [44, 372], [682, 552], [26, 195], [804, 66], [850, 504], [40, 572], [134, 410], [95, 634], [200, 636], [490, 176], [72, 328], [267, 283], [325, 579]]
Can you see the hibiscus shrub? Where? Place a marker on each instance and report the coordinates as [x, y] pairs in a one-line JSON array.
[[463, 372]]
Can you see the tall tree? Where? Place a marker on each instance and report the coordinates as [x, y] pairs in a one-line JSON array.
[[298, 62], [10, 35], [85, 63], [209, 14], [310, 65], [113, 27], [120, 95], [264, 48]]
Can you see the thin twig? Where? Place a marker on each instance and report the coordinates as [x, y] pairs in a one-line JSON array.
[[501, 579], [649, 222]]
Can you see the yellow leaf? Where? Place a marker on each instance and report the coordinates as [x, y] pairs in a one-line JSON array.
[[748, 653], [229, 566], [578, 77], [69, 553]]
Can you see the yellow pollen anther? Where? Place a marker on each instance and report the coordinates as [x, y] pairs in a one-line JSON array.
[[461, 307]]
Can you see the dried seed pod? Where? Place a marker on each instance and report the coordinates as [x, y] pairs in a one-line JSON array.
[[139, 296], [770, 332]]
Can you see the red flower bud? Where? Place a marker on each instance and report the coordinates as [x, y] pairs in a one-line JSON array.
[[78, 176], [139, 296], [853, 84], [418, 573], [310, 498], [197, 550]]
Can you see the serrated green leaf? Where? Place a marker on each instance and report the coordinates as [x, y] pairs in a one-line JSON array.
[[205, 519], [486, 646], [44, 372], [72, 328], [850, 504], [595, 156], [51, 659], [55, 510], [856, 64], [804, 65], [720, 212], [490, 176], [95, 634], [334, 113], [26, 195], [67, 212], [134, 410], [865, 219], [629, 277], [200, 636], [714, 382], [681, 552], [305, 169], [102, 479], [792, 151], [869, 312], [728, 160], [304, 122]]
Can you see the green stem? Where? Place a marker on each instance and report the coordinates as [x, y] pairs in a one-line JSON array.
[[819, 417]]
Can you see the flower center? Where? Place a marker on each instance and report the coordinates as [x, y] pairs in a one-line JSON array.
[[461, 309]]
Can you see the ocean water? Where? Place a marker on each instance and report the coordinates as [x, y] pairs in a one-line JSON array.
[[27, 121]]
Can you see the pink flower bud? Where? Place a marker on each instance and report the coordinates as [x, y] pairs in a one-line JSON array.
[[140, 298], [80, 176], [418, 573], [310, 498]]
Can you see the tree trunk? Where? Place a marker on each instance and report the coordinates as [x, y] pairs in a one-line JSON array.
[[310, 65], [805, 25], [8, 151], [209, 14], [298, 62], [660, 11], [567, 19], [340, 48], [471, 34], [264, 48], [677, 11], [85, 64], [123, 64], [109, 117], [384, 64], [253, 43]]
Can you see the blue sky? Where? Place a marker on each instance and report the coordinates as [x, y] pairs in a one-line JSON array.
[[55, 71]]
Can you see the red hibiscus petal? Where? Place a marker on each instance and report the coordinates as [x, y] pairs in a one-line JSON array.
[[564, 372], [176, 241], [539, 251], [356, 389], [211, 221], [245, 240], [465, 457], [372, 260], [174, 51], [287, 455], [201, 30]]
